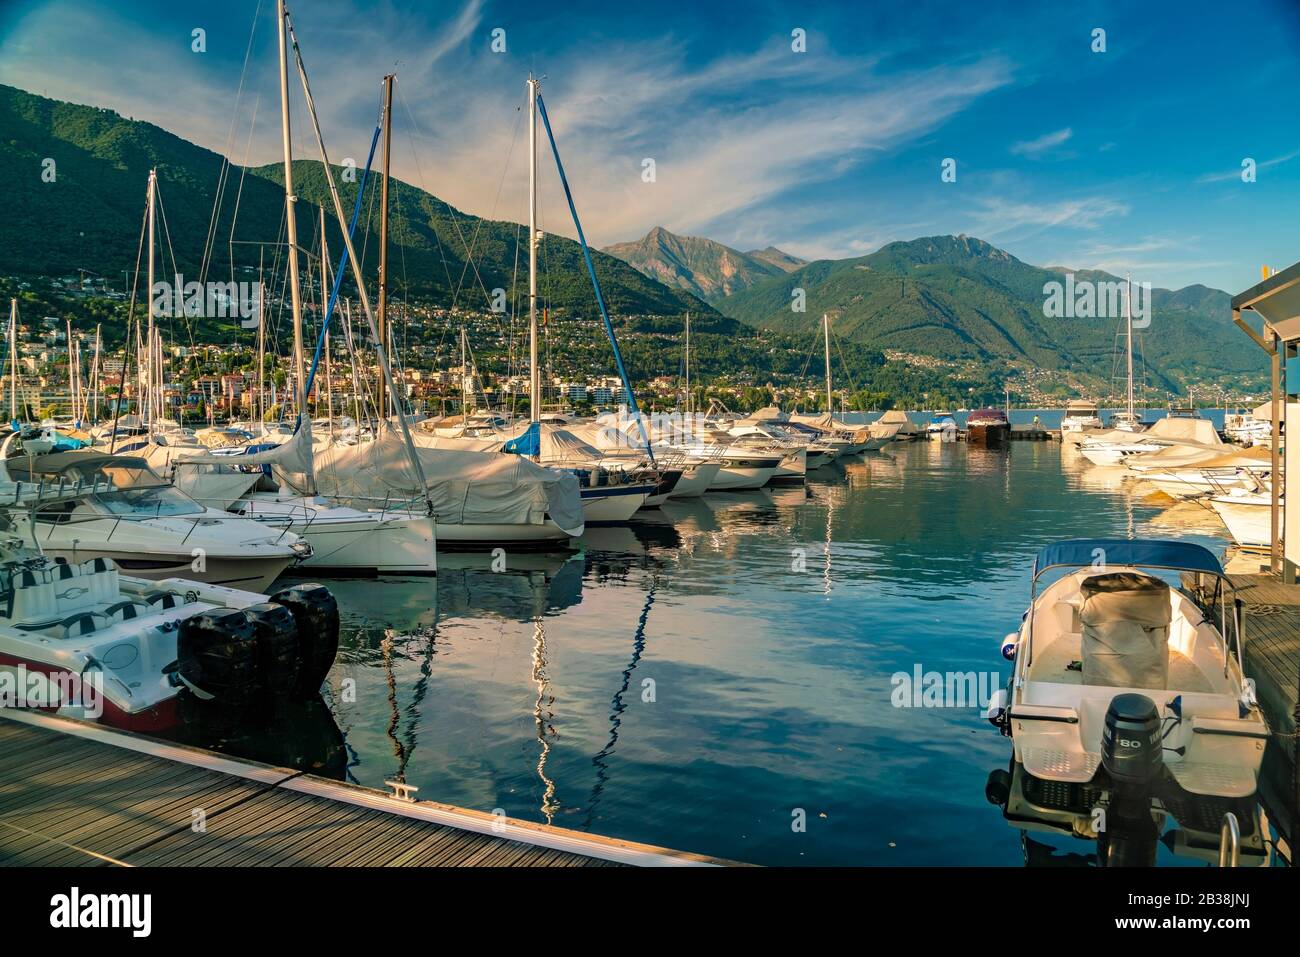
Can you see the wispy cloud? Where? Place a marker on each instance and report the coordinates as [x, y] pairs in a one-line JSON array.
[[1236, 173], [997, 216], [1041, 145]]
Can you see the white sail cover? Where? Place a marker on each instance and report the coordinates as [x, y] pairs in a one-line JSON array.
[[464, 487]]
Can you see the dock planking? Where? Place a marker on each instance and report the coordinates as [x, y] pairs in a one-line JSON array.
[[74, 794], [1271, 656]]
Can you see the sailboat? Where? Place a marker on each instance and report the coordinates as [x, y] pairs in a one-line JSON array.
[[1111, 447], [344, 540], [608, 496], [845, 438]]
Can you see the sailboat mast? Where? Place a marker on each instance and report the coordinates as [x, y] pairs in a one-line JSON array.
[[13, 360], [688, 364], [826, 334], [464, 402], [534, 388], [147, 372], [1128, 320], [382, 313], [291, 220], [325, 283]]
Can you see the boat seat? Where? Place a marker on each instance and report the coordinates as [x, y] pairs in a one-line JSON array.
[[128, 610], [164, 599], [1125, 618], [32, 597], [82, 623]]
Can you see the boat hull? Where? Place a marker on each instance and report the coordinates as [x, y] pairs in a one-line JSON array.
[[989, 436], [247, 574], [613, 505], [695, 480]]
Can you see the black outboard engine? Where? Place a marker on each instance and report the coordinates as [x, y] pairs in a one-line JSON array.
[[275, 634], [1133, 757], [216, 658], [1131, 750], [316, 614]]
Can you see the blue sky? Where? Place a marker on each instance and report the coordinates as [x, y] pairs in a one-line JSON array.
[[1127, 160]]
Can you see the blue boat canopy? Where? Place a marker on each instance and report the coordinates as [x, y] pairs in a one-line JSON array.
[[1126, 551]]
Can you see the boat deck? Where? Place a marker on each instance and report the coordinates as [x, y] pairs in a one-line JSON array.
[[75, 794], [1271, 625]]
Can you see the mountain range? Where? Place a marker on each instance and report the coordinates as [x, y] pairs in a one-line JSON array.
[[701, 266], [957, 297], [948, 297], [89, 217]]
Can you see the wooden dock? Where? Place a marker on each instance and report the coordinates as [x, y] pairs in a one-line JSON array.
[[76, 794], [1271, 653]]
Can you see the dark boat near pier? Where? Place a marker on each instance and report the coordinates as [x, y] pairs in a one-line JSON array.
[[989, 428]]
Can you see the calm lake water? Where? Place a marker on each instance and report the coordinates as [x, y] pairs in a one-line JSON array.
[[696, 679]]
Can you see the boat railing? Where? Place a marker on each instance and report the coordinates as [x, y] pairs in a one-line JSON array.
[[1229, 841], [137, 516]]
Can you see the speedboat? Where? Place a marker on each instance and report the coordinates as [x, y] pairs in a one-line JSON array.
[[989, 428], [1129, 686], [81, 639], [1081, 417]]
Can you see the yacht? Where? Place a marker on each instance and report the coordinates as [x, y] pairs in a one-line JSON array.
[[1127, 685], [1081, 417], [144, 524]]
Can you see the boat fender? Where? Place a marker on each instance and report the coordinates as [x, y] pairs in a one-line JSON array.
[[996, 712], [1009, 643], [216, 657], [275, 633], [316, 615]]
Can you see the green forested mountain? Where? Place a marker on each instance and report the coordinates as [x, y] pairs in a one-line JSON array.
[[706, 268], [89, 216], [959, 297]]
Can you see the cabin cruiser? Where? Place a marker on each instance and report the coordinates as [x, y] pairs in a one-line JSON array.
[[1188, 471], [1250, 428], [942, 427], [144, 524], [1129, 687], [989, 428], [82, 639], [1081, 417]]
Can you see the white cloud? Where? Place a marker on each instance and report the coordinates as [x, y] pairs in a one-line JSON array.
[[1042, 144]]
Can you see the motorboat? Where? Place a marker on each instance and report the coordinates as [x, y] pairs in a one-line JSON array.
[[82, 639], [1114, 446], [144, 524], [1248, 516], [942, 427], [1250, 428], [989, 428], [1128, 684], [1081, 417]]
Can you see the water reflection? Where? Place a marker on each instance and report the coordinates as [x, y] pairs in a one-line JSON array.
[[523, 687]]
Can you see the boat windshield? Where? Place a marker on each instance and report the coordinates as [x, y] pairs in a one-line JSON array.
[[148, 500]]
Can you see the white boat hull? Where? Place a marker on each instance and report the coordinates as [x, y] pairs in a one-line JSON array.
[[737, 478], [1249, 520], [604, 506], [247, 574], [695, 480]]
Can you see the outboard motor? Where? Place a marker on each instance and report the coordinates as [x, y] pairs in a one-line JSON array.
[[275, 634], [1131, 750], [1132, 755], [216, 657], [316, 614]]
